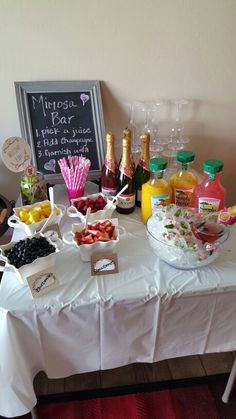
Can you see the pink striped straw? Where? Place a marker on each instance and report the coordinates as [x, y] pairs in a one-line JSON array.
[[74, 171]]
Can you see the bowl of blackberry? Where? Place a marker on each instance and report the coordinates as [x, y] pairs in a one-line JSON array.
[[30, 255]]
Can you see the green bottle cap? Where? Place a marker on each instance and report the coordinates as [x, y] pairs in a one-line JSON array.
[[213, 166], [157, 163], [185, 156]]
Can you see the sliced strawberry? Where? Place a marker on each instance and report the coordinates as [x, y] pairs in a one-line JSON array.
[[79, 205], [94, 226], [78, 236], [93, 232], [106, 224], [110, 230], [103, 236]]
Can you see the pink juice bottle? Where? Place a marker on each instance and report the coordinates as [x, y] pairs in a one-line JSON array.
[[209, 195]]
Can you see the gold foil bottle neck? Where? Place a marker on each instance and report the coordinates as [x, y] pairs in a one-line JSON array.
[[145, 138], [110, 137], [126, 151], [125, 142], [145, 141], [127, 133], [110, 153]]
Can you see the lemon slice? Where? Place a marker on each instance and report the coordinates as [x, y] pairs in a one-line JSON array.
[[23, 214], [34, 216]]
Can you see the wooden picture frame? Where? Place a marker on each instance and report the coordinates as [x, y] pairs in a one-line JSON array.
[[61, 118]]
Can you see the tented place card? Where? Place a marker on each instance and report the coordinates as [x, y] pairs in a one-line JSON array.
[[42, 282], [104, 263]]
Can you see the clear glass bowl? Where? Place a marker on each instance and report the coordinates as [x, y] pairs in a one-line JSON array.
[[180, 258]]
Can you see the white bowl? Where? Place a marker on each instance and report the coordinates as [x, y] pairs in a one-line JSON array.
[[86, 250], [104, 214], [36, 266], [30, 229], [178, 257]]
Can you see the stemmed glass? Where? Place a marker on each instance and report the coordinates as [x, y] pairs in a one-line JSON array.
[[177, 129], [134, 125], [177, 139], [150, 110]]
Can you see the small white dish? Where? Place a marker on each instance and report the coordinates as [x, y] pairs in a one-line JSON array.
[[34, 267], [86, 250], [103, 214], [30, 229]]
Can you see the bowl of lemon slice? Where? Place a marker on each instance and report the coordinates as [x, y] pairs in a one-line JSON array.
[[31, 218]]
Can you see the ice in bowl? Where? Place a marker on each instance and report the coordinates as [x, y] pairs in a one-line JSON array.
[[184, 238]]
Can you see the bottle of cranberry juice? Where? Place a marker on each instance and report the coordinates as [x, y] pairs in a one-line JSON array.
[[109, 168], [209, 195]]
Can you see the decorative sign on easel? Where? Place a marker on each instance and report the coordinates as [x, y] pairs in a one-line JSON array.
[[16, 154], [61, 119]]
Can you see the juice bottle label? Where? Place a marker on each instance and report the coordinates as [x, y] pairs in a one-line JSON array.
[[126, 201], [183, 197], [108, 191], [208, 204], [160, 199]]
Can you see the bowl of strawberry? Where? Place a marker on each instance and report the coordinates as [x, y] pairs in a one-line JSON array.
[[102, 235], [101, 207]]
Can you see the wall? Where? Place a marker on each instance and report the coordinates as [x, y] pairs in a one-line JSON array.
[[140, 50]]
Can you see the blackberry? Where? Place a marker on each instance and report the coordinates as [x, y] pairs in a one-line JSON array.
[[26, 251]]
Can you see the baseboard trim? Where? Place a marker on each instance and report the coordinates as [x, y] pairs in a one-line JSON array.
[[136, 388]]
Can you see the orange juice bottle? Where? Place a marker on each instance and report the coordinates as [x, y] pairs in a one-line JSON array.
[[156, 191], [184, 181]]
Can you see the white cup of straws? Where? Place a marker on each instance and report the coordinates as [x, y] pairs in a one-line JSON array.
[[75, 173]]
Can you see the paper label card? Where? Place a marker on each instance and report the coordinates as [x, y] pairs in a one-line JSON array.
[[42, 282], [104, 263], [16, 154]]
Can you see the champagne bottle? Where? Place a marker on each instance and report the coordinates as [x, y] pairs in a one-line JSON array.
[[126, 201], [109, 168], [142, 172]]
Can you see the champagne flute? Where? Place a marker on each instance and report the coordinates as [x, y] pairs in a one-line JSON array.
[[176, 136], [177, 128], [151, 126], [134, 126]]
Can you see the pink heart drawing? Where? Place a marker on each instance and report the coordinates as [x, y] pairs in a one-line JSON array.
[[50, 165], [84, 98]]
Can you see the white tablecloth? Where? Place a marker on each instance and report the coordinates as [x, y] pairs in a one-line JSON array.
[[147, 312]]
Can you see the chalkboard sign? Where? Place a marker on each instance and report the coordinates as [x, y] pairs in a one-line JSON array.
[[61, 119]]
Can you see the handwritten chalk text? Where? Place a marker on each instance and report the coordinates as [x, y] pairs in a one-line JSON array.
[[54, 105]]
